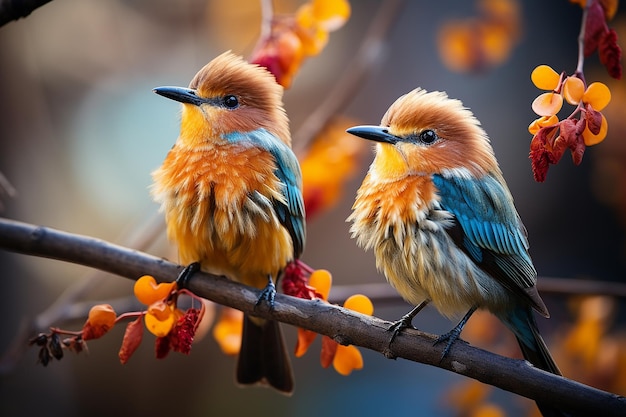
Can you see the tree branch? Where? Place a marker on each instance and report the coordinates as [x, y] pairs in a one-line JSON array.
[[16, 9], [344, 326]]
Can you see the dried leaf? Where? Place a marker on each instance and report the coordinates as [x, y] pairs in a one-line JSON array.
[[44, 356], [539, 155], [183, 332], [162, 346], [55, 346], [132, 340], [329, 349], [75, 344], [578, 149], [595, 27], [611, 54], [305, 338], [39, 340], [594, 119]]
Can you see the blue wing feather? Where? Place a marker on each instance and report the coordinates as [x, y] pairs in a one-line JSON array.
[[287, 170], [493, 235]]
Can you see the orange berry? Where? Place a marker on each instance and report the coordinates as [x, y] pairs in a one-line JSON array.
[[545, 78], [598, 95], [102, 314], [547, 104], [321, 280], [101, 319], [573, 90], [148, 291]]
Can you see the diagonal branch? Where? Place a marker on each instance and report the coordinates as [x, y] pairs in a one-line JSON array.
[[345, 326], [16, 9], [351, 80]]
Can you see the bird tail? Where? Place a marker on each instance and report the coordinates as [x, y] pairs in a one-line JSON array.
[[263, 356], [523, 324]]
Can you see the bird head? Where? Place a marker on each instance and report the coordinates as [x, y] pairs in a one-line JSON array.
[[229, 95], [425, 133]]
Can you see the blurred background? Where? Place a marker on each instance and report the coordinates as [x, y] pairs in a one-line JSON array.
[[81, 131]]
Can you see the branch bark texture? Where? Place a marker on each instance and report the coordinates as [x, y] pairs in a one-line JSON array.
[[344, 326]]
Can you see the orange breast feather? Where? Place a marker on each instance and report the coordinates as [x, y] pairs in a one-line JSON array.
[[219, 211]]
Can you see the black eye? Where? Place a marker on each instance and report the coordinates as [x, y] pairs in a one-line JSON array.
[[231, 102], [428, 137]]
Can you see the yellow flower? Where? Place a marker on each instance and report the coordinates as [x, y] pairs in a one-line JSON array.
[[545, 78], [162, 313], [543, 121], [573, 90], [547, 104], [597, 95], [348, 358]]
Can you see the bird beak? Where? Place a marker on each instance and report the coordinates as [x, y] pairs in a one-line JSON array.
[[376, 133], [181, 94]]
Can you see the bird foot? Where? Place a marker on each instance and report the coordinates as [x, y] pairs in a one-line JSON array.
[[450, 337], [453, 335], [267, 294], [405, 321], [395, 329], [398, 326], [186, 273]]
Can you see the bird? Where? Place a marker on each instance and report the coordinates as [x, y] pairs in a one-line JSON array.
[[231, 191], [436, 211]]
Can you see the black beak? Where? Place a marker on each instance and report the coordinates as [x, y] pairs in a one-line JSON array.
[[181, 94], [376, 133]]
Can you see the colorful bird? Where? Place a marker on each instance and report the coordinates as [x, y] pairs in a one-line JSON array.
[[231, 190], [440, 218]]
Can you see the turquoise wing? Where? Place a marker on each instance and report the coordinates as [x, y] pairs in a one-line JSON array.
[[488, 228]]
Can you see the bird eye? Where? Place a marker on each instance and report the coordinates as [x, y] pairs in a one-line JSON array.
[[428, 137], [231, 102]]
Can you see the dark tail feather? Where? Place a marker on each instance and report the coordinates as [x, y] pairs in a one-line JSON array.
[[522, 322], [263, 357]]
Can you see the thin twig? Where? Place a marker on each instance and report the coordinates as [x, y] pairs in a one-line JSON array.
[[581, 42], [267, 15], [68, 305], [342, 325], [353, 77]]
